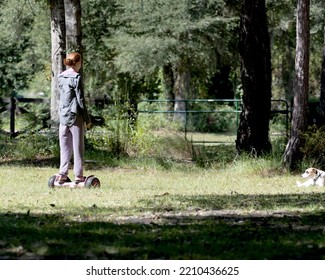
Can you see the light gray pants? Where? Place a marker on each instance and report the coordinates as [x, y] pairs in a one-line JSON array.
[[71, 140]]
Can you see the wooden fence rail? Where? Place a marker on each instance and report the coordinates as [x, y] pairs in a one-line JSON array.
[[10, 104]]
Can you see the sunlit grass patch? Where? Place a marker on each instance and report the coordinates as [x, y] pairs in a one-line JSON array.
[[143, 210]]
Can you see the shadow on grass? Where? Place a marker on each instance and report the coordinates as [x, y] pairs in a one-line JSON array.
[[35, 162], [54, 162], [250, 201], [25, 236]]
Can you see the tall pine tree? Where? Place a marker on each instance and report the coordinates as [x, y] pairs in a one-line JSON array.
[[254, 49]]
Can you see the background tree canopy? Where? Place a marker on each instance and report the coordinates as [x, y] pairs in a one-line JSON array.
[[159, 49], [157, 33], [137, 38]]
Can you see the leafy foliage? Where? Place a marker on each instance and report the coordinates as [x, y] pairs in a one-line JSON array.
[[22, 44], [97, 25], [154, 34], [314, 146], [223, 120], [126, 40]]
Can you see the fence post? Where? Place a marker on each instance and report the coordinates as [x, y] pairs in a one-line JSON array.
[[12, 116]]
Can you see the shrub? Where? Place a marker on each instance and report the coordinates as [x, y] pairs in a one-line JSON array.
[[314, 145], [211, 118], [30, 147], [114, 135]]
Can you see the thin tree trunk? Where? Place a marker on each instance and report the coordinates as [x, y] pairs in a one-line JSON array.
[[292, 155], [168, 84], [58, 54], [288, 75], [322, 90], [73, 25], [182, 79]]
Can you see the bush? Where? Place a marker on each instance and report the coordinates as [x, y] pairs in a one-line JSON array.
[[314, 145], [206, 121], [30, 147], [114, 135]]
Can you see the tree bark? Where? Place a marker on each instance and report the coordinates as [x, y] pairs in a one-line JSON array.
[[181, 90], [255, 55], [58, 42], [73, 25], [168, 85], [292, 155], [322, 90]]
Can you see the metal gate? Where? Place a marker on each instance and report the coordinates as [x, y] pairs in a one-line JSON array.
[[279, 107]]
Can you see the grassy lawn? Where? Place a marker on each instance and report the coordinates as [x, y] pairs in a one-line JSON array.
[[245, 210]]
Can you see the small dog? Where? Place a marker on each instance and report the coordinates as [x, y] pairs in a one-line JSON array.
[[316, 177]]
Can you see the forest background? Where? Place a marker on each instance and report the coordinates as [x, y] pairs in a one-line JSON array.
[[163, 196], [131, 49]]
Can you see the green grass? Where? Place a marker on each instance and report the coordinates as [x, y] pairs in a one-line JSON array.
[[161, 198], [245, 210]]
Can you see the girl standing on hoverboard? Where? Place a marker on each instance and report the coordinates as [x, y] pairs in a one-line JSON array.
[[73, 116]]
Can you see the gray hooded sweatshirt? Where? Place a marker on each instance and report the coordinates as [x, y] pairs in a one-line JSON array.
[[72, 101]]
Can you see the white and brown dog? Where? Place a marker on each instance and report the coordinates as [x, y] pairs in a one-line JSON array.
[[316, 177]]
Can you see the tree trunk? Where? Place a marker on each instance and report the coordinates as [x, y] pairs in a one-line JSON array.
[[255, 54], [168, 85], [292, 155], [181, 90], [322, 89], [288, 77], [73, 25], [58, 47]]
